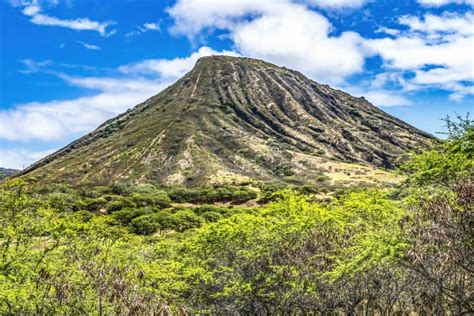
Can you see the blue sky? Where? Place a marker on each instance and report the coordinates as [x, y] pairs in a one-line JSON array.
[[66, 66]]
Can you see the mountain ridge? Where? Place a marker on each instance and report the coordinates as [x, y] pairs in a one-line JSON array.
[[239, 118], [7, 172]]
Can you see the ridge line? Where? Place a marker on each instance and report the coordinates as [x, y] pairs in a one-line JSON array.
[[159, 136]]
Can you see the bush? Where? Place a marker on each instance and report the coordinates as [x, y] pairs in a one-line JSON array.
[[180, 221], [210, 208], [125, 216], [186, 219], [211, 216], [119, 188], [156, 198], [212, 194], [145, 225], [84, 216], [95, 204], [67, 201], [119, 204]]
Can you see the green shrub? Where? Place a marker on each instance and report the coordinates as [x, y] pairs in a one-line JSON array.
[[67, 201], [95, 204], [125, 216], [211, 216], [186, 219], [145, 225], [180, 221], [151, 223], [119, 204], [182, 195], [119, 188], [84, 216], [212, 194], [307, 189], [211, 208], [156, 198]]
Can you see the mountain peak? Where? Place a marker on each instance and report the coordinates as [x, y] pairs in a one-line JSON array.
[[216, 61], [233, 119], [227, 58]]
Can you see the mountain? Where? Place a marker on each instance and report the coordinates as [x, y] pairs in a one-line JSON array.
[[4, 172], [234, 119]]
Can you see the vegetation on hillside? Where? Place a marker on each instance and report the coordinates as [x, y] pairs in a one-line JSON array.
[[142, 249]]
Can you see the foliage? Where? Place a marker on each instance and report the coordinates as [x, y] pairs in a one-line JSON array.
[[131, 250], [60, 262], [450, 162], [233, 194]]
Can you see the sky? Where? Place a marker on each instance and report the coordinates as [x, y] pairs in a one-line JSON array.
[[66, 66]]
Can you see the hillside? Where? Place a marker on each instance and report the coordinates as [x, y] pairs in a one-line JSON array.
[[5, 172], [235, 119]]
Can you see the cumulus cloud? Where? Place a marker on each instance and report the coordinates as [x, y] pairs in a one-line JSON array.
[[387, 30], [337, 4], [440, 3], [33, 10], [325, 58], [19, 158], [434, 26], [385, 98], [376, 92], [266, 29], [193, 16], [435, 52]]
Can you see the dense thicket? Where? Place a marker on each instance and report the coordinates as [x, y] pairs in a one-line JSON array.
[[146, 250]]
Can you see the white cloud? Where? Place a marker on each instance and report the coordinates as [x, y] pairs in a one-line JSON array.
[[192, 16], [266, 29], [145, 27], [436, 52], [81, 24], [387, 30], [151, 26], [33, 10], [411, 53], [377, 95], [337, 4], [19, 158], [32, 66], [112, 85], [440, 3], [328, 59], [89, 46], [441, 24], [385, 98]]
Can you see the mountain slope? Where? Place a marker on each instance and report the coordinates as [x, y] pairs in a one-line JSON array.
[[235, 119], [4, 172]]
